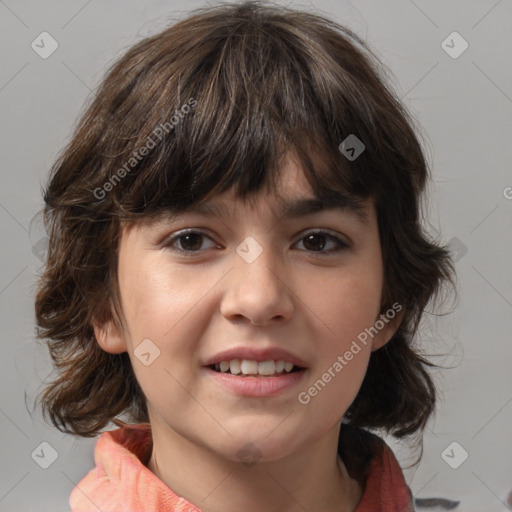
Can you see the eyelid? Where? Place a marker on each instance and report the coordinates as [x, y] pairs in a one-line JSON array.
[[341, 242], [324, 231], [167, 242]]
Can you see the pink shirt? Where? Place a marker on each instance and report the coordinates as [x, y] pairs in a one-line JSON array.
[[121, 482]]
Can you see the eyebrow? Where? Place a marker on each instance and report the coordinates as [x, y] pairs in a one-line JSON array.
[[292, 209]]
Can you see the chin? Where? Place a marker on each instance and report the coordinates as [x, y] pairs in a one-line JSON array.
[[264, 442], [249, 454]]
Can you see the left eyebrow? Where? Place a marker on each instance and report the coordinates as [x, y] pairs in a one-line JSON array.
[[309, 206], [292, 209]]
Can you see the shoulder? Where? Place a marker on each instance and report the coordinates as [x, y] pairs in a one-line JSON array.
[[135, 439], [371, 462]]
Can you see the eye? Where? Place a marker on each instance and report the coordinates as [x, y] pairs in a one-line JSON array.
[[190, 241], [317, 241]]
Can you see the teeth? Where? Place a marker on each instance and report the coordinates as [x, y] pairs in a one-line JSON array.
[[234, 366], [249, 367], [267, 368]]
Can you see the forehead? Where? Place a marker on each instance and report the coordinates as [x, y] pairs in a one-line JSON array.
[[293, 198], [291, 184]]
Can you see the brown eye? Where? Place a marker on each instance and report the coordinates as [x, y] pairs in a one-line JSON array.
[[191, 241], [318, 240], [314, 242], [187, 242]]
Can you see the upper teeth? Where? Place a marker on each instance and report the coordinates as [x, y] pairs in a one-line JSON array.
[[248, 367]]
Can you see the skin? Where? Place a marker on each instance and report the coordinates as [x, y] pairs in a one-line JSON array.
[[312, 302]]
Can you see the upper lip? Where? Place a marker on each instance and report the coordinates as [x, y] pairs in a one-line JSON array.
[[256, 354]]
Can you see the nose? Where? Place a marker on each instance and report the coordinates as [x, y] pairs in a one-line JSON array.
[[258, 292]]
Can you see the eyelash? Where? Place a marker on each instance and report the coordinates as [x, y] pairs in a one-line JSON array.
[[341, 245]]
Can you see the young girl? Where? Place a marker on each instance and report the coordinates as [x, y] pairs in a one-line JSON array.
[[254, 361]]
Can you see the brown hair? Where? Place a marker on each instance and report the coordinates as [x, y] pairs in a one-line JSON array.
[[218, 99]]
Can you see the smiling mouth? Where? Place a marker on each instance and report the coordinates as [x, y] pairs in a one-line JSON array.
[[251, 368]]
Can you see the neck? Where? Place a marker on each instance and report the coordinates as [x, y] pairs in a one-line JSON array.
[[315, 479]]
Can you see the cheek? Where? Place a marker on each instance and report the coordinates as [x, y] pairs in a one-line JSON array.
[[157, 303], [157, 298], [165, 305], [345, 303]]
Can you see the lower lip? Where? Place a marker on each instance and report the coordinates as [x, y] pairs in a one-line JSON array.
[[257, 386]]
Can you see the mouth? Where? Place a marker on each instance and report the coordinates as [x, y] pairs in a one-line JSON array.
[[252, 368], [256, 379], [256, 372]]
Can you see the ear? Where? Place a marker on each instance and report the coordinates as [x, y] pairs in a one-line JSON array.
[[110, 337], [392, 318]]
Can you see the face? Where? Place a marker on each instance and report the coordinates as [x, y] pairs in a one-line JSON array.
[[200, 292]]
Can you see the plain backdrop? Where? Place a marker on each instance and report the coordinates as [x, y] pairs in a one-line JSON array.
[[463, 102]]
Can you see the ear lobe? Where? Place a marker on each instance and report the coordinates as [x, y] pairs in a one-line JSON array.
[[390, 327], [110, 337]]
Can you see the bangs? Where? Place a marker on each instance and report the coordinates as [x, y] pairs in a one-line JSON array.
[[224, 107]]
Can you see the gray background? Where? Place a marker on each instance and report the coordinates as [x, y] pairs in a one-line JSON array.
[[464, 105]]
